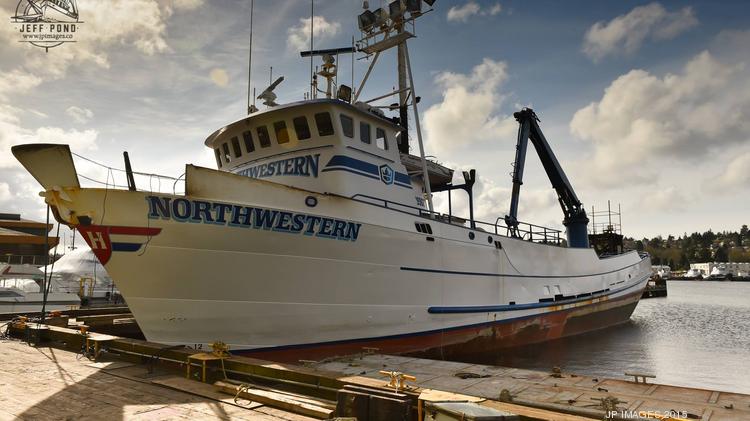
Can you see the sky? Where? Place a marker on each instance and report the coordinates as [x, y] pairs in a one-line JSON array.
[[645, 104]]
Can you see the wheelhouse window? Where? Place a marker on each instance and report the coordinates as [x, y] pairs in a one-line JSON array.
[[324, 123], [364, 132], [236, 147], [347, 125], [301, 128], [225, 150], [218, 157], [282, 134], [380, 140], [263, 137], [248, 138]]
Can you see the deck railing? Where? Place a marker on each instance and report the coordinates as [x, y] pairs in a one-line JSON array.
[[96, 174], [526, 231]]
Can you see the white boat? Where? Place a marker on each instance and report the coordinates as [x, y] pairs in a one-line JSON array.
[[314, 238], [694, 274], [719, 272], [80, 272], [662, 271], [21, 291]]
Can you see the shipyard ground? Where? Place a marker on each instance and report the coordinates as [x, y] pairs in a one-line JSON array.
[[133, 379], [45, 383]]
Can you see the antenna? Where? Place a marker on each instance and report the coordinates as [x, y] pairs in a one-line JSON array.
[[268, 97], [250, 64]]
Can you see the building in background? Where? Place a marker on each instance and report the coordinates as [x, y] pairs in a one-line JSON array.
[[23, 241], [736, 269]]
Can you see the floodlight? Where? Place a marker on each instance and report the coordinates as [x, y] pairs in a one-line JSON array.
[[395, 10], [366, 20], [381, 17], [344, 93], [414, 6]]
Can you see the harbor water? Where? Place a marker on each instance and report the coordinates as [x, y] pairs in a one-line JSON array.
[[698, 336]]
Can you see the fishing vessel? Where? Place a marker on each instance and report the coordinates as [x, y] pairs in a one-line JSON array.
[[316, 233]]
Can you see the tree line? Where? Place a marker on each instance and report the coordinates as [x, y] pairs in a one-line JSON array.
[[680, 252]]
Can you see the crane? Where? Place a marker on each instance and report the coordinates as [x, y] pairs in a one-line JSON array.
[[575, 221]]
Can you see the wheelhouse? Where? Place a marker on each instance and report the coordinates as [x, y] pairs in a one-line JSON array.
[[321, 145]]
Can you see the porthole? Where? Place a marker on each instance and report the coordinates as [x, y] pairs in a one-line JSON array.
[[471, 236], [489, 239], [311, 201]]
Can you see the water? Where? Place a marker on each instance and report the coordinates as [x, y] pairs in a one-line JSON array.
[[698, 336]]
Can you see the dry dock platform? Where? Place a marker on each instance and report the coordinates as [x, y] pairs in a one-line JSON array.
[[46, 383], [554, 391], [70, 375]]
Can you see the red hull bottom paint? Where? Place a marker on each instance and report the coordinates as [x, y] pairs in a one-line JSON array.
[[457, 343]]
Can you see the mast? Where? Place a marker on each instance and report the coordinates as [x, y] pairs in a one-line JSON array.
[[250, 65], [382, 30], [403, 111]]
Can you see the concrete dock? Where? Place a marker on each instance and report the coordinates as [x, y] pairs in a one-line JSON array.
[[45, 383], [134, 379]]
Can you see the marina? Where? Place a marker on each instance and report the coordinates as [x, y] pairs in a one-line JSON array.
[[341, 245]]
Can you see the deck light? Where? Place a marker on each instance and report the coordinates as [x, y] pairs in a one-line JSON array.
[[366, 21], [381, 17], [414, 7], [344, 93], [396, 12]]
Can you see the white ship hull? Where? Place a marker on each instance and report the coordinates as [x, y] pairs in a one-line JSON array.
[[198, 280]]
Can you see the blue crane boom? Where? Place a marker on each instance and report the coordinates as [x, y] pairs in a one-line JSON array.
[[575, 221]]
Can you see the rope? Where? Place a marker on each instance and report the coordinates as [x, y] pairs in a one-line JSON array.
[[48, 280]]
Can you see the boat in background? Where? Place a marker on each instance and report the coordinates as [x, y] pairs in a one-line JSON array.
[[316, 234], [80, 272], [694, 274], [22, 290], [718, 273]]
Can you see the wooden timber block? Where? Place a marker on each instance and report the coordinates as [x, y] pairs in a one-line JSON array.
[[350, 403], [276, 400], [384, 405], [388, 409]]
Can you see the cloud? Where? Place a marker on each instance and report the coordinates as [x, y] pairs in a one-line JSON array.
[[219, 77], [627, 32], [737, 173], [138, 22], [644, 121], [80, 115], [187, 4], [17, 80], [5, 194], [664, 198], [298, 37], [12, 133], [468, 111], [463, 13], [471, 8]]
